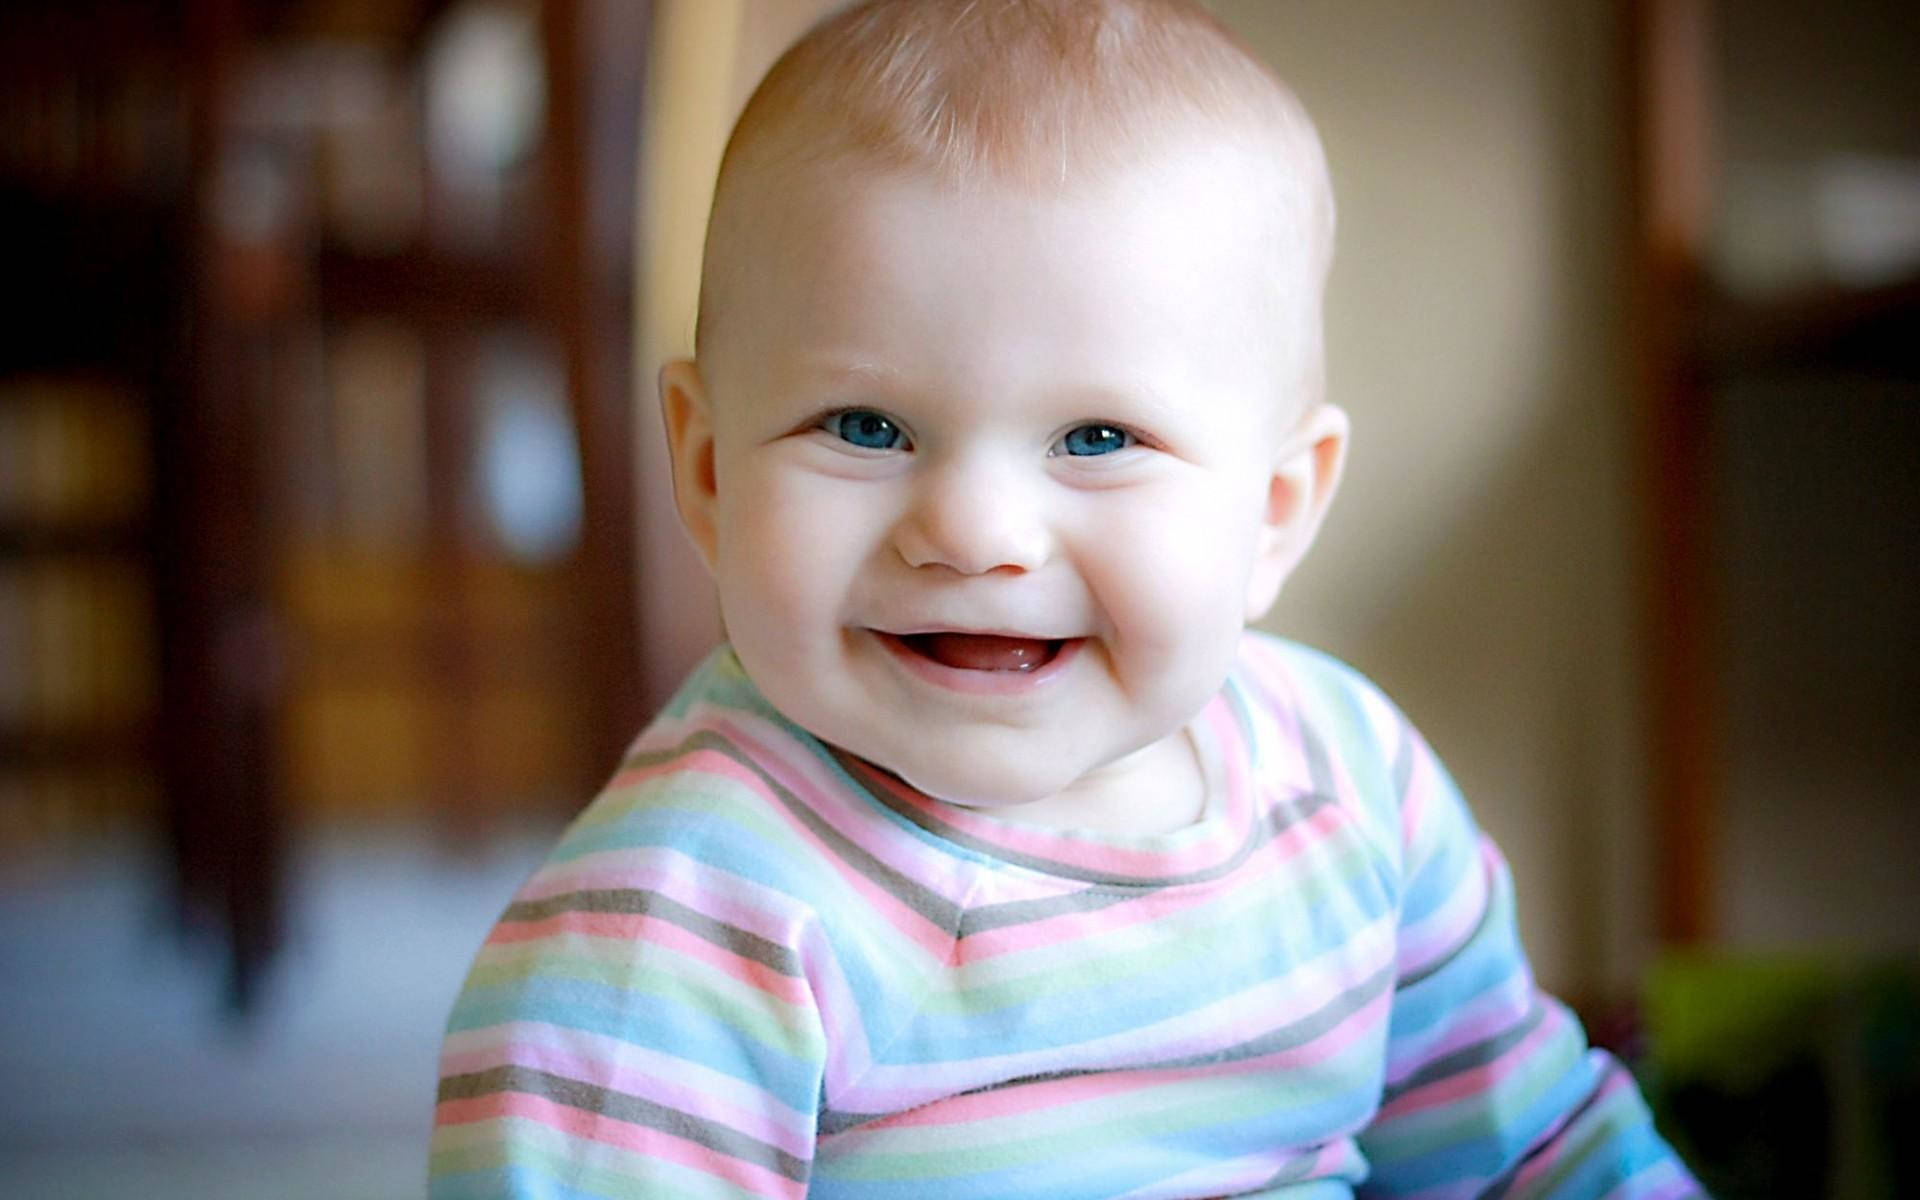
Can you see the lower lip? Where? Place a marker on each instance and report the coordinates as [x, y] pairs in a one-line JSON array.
[[989, 683]]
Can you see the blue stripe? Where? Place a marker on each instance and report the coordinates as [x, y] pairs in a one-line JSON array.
[[700, 1035], [1486, 1154], [519, 1182]]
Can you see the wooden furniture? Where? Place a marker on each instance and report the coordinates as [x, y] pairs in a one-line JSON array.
[[381, 394], [1778, 360]]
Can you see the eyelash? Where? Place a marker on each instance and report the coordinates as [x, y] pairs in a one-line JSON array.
[[833, 424], [1128, 439]]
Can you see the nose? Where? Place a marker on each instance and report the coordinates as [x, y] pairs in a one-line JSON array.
[[973, 519]]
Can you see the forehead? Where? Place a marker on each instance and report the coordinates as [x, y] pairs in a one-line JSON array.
[[1184, 253]]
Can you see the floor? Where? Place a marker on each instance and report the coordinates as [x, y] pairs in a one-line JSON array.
[[120, 1075]]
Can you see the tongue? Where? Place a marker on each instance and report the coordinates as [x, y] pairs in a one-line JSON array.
[[983, 651]]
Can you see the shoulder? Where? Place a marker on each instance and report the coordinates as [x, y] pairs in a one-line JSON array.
[[1349, 741], [707, 791], [1328, 699]]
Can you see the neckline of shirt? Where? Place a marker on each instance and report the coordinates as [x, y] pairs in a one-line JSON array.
[[1209, 847]]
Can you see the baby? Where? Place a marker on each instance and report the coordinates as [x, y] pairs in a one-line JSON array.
[[994, 856]]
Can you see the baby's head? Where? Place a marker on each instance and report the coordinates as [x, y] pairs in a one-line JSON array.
[[1007, 410], [1042, 97]]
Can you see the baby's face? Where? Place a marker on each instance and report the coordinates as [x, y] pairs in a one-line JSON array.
[[991, 472]]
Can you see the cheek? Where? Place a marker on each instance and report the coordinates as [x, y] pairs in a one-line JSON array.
[[789, 545], [1177, 576], [750, 540]]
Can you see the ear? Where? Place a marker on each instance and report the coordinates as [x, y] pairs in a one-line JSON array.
[[1306, 474], [683, 402]]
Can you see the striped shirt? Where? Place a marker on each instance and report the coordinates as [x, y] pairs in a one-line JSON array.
[[754, 967]]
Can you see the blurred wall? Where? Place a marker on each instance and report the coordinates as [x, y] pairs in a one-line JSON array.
[[1817, 499], [1476, 563], [706, 58]]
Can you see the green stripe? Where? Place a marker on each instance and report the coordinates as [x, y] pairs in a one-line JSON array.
[[721, 1139], [1056, 1134], [559, 1156], [642, 902], [1103, 957], [1479, 1115], [770, 1020]]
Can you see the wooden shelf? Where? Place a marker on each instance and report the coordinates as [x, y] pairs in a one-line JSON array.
[[204, 273], [425, 287], [59, 749], [1829, 328], [117, 541]]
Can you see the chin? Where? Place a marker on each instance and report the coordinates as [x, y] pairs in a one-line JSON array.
[[967, 789]]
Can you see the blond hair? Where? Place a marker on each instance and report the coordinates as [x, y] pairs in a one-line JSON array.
[[1030, 93]]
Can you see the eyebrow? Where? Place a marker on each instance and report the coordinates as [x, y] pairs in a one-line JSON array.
[[1140, 403], [843, 370]]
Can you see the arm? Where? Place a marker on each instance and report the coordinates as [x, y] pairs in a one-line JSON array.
[[1490, 1087], [636, 1024]]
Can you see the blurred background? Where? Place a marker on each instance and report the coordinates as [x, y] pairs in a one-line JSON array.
[[336, 564]]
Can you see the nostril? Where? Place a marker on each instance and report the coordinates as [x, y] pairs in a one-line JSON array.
[[975, 520]]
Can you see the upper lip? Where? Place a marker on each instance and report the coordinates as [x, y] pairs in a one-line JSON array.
[[921, 630]]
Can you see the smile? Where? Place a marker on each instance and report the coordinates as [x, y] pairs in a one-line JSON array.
[[983, 651], [980, 661]]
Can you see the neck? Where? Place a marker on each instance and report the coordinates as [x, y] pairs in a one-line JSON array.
[[1158, 789]]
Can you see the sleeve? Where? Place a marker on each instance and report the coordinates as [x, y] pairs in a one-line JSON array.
[[636, 1024], [1490, 1088]]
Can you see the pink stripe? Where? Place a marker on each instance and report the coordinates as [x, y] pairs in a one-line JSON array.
[[865, 833], [847, 813], [639, 1139], [640, 930], [1422, 782], [1172, 857], [1480, 1080], [910, 924], [1206, 1031], [779, 920], [1443, 931], [741, 903], [1549, 1157], [622, 1061], [708, 761], [1361, 1025], [1479, 1020], [1073, 926], [763, 1123]]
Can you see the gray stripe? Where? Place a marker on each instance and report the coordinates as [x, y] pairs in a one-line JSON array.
[[1467, 1058], [1279, 818], [1319, 765], [1503, 1186], [1295, 1171], [1488, 915], [621, 1106], [1307, 1028], [1253, 734], [832, 1121], [1084, 901], [1403, 762], [934, 907], [990, 917], [646, 903]]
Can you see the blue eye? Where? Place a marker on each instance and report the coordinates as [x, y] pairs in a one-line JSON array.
[[1086, 440], [866, 429]]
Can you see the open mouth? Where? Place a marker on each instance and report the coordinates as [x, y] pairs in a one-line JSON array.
[[983, 651]]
